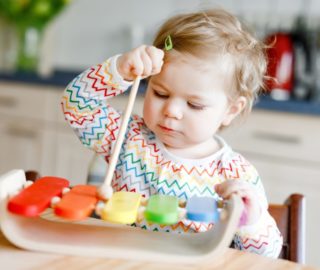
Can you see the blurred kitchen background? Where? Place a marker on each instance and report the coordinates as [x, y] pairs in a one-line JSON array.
[[45, 43], [61, 36]]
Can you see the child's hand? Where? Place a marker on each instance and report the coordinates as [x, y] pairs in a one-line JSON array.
[[144, 61], [248, 195]]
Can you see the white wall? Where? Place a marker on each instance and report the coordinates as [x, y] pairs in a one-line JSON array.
[[89, 31]]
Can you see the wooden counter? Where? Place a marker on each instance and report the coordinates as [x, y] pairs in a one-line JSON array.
[[13, 258]]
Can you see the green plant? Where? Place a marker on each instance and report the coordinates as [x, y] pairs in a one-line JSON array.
[[29, 18], [31, 12]]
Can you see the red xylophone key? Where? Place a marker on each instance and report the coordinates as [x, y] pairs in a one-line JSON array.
[[34, 199]]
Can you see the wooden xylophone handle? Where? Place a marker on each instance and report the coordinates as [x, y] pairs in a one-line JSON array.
[[106, 189]]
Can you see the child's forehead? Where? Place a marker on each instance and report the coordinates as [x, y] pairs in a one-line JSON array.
[[222, 63], [189, 76]]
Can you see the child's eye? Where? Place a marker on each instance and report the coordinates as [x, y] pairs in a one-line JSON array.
[[160, 94], [196, 106]]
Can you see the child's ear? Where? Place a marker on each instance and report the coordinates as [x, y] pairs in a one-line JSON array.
[[234, 109]]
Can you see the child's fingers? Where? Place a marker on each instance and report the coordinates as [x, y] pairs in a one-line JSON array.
[[135, 62], [248, 195], [147, 64], [143, 61], [229, 187], [156, 55], [130, 65]]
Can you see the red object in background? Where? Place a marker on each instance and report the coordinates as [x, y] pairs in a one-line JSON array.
[[280, 65]]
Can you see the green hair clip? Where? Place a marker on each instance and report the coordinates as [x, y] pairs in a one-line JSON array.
[[168, 43]]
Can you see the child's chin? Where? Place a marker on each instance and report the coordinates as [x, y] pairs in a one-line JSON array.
[[171, 142]]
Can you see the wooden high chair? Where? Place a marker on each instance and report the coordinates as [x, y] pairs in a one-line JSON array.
[[290, 218]]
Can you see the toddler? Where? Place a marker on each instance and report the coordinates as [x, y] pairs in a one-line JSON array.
[[204, 70]]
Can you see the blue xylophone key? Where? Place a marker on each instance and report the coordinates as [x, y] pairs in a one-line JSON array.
[[202, 209]]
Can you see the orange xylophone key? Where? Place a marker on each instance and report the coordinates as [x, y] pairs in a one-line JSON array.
[[33, 200], [78, 203]]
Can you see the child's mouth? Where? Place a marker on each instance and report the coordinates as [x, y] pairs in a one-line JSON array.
[[165, 128]]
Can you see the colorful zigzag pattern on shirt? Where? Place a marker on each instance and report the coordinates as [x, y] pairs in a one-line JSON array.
[[142, 167]]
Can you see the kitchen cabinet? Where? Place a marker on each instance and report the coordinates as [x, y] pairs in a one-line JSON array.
[[25, 138], [22, 144], [72, 159], [35, 136], [284, 148]]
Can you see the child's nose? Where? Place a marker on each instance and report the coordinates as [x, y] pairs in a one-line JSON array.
[[173, 110]]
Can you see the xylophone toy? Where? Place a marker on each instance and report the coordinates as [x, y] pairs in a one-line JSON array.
[[26, 220], [49, 216], [123, 207]]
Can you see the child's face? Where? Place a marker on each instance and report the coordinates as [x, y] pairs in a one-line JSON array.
[[186, 102]]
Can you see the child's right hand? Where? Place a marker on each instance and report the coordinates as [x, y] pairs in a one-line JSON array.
[[144, 61]]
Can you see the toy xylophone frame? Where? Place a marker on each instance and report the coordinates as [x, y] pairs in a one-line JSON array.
[[111, 240]]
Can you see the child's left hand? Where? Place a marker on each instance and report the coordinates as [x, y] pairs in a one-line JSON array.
[[248, 194]]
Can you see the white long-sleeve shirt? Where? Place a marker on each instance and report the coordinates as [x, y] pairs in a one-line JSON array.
[[145, 165]]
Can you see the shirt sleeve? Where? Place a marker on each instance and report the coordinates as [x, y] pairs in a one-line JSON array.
[[85, 108], [262, 237]]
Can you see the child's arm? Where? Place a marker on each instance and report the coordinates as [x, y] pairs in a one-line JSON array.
[[84, 105], [258, 232], [84, 100]]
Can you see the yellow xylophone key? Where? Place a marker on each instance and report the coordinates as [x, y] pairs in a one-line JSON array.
[[122, 207]]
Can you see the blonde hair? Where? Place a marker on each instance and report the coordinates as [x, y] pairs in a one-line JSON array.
[[220, 33]]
